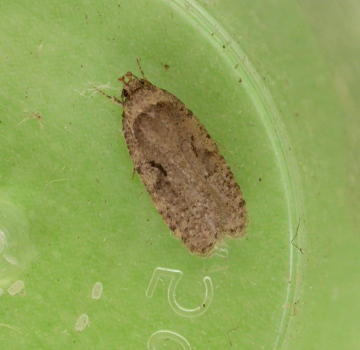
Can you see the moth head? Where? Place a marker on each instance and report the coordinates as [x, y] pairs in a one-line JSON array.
[[131, 83]]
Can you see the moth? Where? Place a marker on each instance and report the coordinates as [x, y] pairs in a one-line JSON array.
[[189, 181]]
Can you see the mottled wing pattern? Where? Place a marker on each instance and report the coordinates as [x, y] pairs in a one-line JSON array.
[[189, 181]]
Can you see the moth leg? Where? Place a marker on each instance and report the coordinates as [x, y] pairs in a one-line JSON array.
[[133, 173], [112, 98]]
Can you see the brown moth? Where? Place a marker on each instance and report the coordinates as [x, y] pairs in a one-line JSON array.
[[188, 180]]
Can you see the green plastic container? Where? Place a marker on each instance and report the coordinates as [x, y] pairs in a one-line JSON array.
[[276, 84]]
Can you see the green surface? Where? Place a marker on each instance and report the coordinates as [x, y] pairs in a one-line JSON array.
[[265, 81]]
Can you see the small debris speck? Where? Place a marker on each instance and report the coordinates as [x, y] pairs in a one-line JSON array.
[[16, 287], [82, 322], [97, 291]]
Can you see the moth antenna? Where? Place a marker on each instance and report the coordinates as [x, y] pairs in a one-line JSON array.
[[112, 98], [142, 72]]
